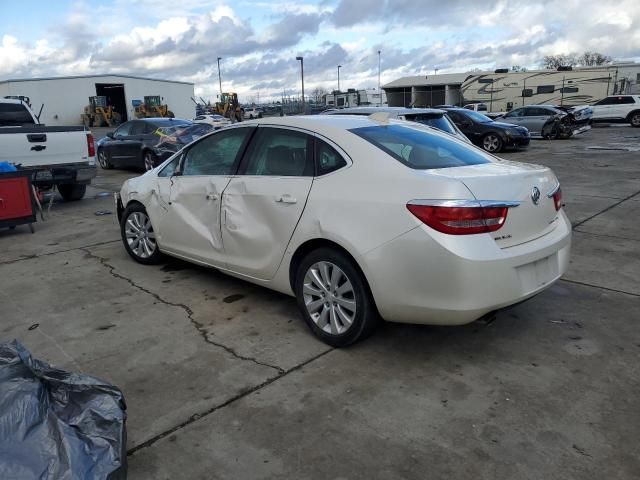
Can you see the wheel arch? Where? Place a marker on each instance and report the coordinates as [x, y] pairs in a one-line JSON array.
[[314, 244], [632, 113]]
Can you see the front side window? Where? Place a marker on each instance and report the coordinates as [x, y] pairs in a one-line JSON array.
[[476, 117], [279, 152], [123, 130], [215, 154], [170, 168], [419, 149], [327, 158], [138, 128], [519, 112]]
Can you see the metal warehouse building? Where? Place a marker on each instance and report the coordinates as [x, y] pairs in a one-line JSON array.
[[64, 98], [422, 91]]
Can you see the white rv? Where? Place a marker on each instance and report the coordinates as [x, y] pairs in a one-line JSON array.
[[505, 90]]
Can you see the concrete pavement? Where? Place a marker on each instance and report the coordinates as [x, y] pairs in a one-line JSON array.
[[223, 379]]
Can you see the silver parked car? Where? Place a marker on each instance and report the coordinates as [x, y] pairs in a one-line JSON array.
[[535, 117]]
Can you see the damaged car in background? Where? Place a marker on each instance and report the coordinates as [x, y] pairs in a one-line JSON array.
[[550, 121], [358, 218]]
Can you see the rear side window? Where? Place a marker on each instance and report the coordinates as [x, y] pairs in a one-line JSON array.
[[623, 100], [419, 149], [327, 158], [138, 128], [215, 154], [14, 114], [279, 152]]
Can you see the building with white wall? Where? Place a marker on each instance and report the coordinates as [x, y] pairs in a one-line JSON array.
[[64, 98], [369, 97]]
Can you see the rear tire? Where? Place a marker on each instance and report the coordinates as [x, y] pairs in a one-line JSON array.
[[634, 119], [334, 298], [104, 160], [149, 160], [138, 235], [72, 192]]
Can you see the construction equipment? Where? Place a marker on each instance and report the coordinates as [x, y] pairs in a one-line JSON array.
[[99, 114], [229, 107], [152, 107]]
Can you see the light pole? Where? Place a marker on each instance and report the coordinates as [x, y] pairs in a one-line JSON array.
[[379, 92], [302, 78], [339, 66], [220, 77]]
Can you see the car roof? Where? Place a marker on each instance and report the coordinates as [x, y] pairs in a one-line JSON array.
[[12, 100], [165, 120], [322, 124], [396, 110]]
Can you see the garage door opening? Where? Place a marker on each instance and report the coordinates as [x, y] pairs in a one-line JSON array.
[[115, 97]]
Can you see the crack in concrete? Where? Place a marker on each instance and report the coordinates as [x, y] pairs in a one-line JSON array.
[[606, 209], [197, 416], [198, 326], [576, 282], [31, 257]]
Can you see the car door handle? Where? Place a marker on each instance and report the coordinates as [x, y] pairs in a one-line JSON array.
[[212, 196], [286, 199]]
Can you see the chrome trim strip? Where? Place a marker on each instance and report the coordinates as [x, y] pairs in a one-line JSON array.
[[552, 192], [465, 203]]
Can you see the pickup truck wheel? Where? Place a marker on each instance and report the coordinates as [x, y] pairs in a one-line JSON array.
[[72, 192], [138, 235], [634, 119], [103, 160]]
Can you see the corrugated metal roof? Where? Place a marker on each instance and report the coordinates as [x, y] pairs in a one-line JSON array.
[[426, 80], [92, 76]]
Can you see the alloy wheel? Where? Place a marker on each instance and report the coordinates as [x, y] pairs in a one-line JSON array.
[[329, 297], [140, 235], [491, 143], [102, 159], [635, 120], [148, 161]]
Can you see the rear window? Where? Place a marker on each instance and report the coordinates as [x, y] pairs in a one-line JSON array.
[[419, 149], [436, 121], [14, 114]]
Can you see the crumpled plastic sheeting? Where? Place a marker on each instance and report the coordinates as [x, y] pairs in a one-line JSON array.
[[56, 424]]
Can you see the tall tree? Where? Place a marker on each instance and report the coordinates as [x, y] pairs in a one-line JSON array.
[[591, 59], [552, 62]]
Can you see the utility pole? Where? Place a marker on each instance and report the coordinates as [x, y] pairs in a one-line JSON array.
[[220, 77], [379, 91], [562, 92], [339, 66], [302, 78]]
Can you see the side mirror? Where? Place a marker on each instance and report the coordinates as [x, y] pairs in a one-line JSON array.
[[110, 135]]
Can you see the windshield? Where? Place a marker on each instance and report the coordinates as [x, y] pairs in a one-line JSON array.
[[182, 134], [420, 149], [477, 117]]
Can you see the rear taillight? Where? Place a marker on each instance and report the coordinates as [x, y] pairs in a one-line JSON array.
[[466, 219], [557, 199], [91, 146]]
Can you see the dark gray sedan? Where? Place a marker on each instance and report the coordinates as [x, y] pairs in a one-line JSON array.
[[534, 117]]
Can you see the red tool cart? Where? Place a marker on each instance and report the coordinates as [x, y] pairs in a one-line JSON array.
[[17, 203]]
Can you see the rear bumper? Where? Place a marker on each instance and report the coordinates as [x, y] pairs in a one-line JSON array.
[[430, 278], [63, 174]]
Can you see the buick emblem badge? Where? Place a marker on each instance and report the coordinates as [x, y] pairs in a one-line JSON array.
[[535, 195]]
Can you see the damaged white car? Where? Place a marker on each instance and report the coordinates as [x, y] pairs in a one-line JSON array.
[[359, 218]]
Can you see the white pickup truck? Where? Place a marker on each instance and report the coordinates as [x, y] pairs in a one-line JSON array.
[[60, 156], [618, 108]]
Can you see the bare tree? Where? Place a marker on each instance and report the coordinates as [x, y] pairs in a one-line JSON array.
[[592, 59], [317, 94], [518, 68], [552, 62]]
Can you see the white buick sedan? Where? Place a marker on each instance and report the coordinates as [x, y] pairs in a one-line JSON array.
[[359, 218]]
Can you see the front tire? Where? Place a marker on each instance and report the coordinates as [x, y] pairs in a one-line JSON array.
[[72, 192], [334, 298], [492, 143], [138, 235]]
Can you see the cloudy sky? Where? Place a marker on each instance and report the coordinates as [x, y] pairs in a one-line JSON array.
[[259, 40]]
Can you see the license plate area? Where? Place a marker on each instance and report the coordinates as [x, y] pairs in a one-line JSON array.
[[537, 274]]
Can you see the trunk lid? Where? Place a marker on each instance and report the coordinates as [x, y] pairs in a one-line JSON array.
[[511, 181]]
